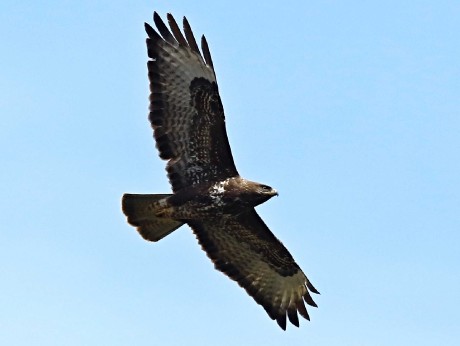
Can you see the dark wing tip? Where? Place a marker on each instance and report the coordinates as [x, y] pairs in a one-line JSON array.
[[292, 315], [163, 29], [151, 31], [281, 320], [174, 36], [302, 310], [206, 52], [190, 38], [312, 288], [309, 300], [176, 31]]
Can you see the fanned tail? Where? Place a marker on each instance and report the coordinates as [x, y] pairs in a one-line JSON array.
[[140, 210]]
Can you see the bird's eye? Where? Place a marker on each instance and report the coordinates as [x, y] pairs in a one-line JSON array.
[[266, 188]]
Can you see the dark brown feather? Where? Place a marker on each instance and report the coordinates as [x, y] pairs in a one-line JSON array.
[[151, 32], [309, 300], [281, 320], [163, 29], [311, 287], [190, 38], [206, 52], [176, 31], [302, 310], [292, 315]]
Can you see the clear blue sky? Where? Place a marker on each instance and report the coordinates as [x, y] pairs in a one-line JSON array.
[[350, 109]]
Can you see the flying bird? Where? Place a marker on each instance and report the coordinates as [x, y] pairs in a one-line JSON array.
[[209, 195]]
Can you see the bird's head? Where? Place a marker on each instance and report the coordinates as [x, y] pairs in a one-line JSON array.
[[266, 190], [256, 193]]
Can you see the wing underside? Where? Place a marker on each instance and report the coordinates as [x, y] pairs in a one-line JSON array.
[[243, 248], [186, 112]]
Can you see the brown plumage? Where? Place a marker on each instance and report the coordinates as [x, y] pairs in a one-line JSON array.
[[188, 120]]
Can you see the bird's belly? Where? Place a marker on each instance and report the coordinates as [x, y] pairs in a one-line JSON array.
[[209, 207]]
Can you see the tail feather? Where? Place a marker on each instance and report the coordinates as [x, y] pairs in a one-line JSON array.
[[140, 210]]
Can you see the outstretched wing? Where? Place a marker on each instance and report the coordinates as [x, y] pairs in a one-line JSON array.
[[186, 112], [243, 248]]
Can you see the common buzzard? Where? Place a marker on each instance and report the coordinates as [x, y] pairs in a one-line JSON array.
[[209, 195]]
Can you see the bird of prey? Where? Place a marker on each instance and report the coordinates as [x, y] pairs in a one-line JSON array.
[[209, 195]]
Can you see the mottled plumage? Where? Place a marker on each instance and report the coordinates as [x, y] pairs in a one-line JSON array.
[[188, 120]]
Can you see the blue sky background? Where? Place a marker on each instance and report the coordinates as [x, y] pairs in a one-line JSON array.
[[350, 109]]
